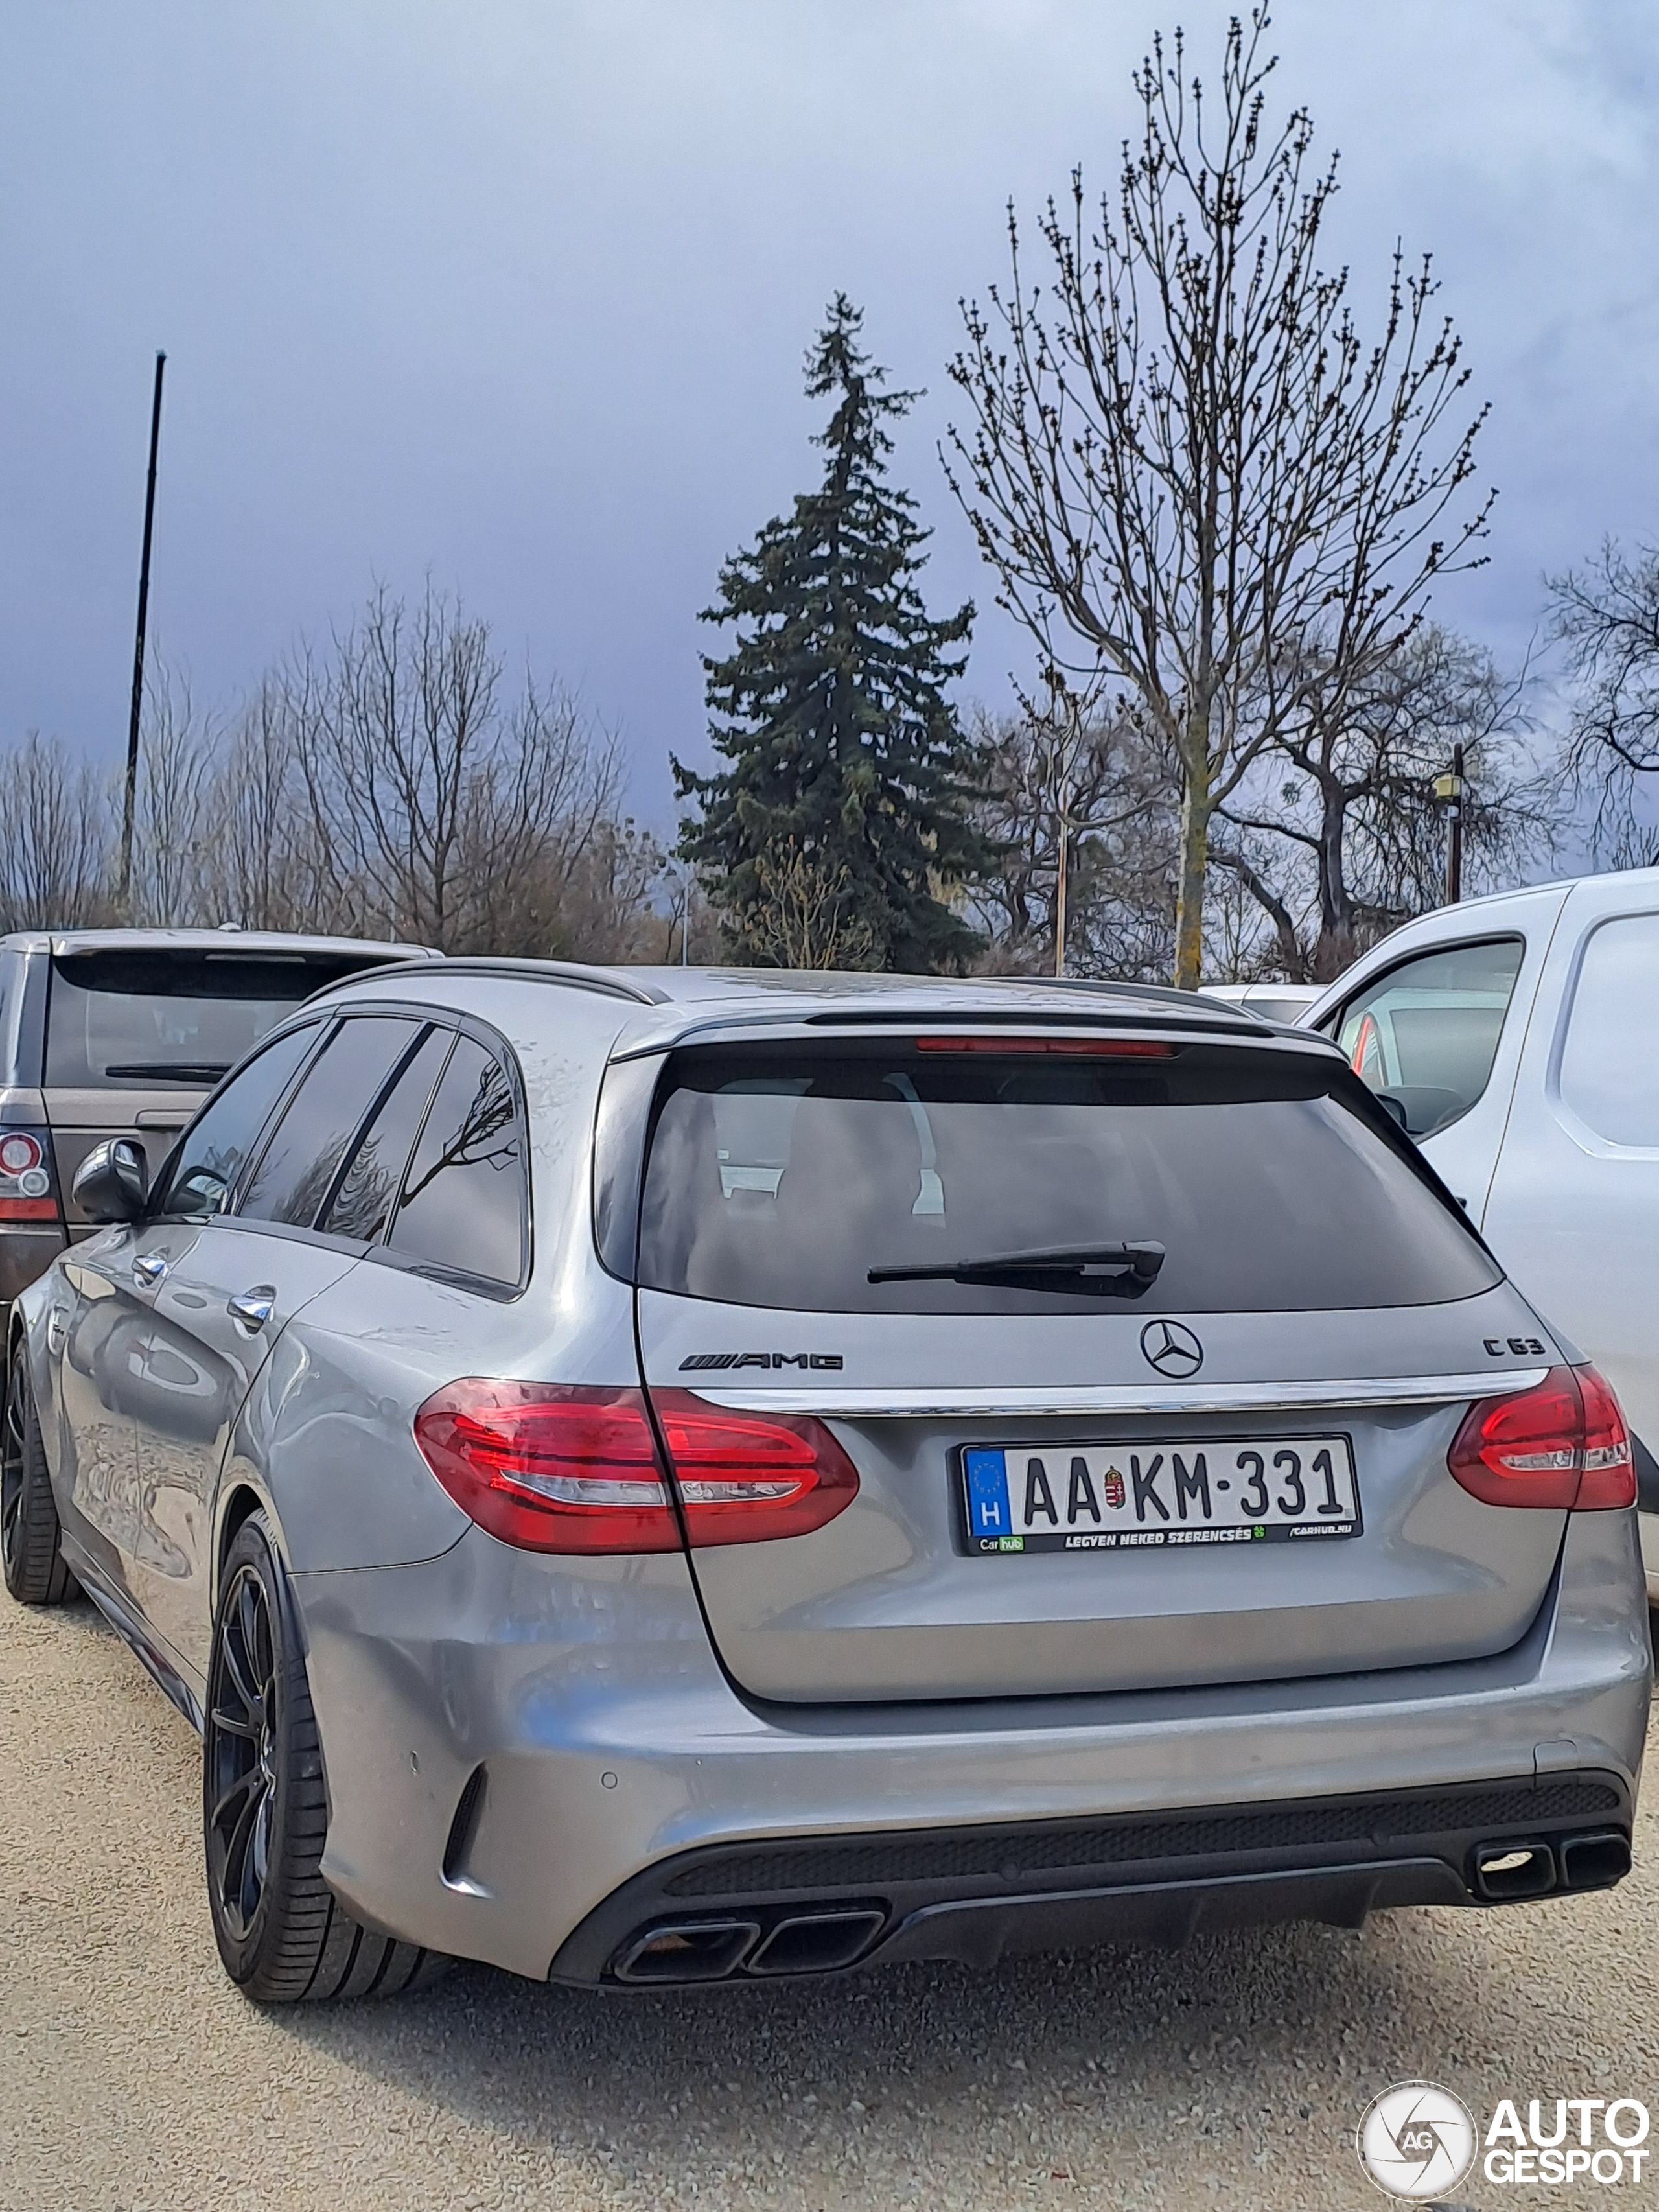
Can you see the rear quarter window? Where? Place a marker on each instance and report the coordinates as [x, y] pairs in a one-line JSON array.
[[782, 1177], [463, 1208]]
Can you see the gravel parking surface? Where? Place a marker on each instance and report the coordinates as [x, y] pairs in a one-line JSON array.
[[134, 2079]]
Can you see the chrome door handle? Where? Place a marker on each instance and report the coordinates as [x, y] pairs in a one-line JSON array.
[[148, 1269], [253, 1309]]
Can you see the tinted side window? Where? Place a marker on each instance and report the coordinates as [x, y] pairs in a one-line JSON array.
[[361, 1207], [1424, 1035], [1608, 1063], [465, 1197], [213, 1149], [300, 1163]]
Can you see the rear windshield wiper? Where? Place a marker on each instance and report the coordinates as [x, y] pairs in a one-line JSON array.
[[1088, 1263], [171, 1071]]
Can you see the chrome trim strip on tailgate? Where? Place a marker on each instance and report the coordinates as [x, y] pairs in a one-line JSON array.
[[853, 1404]]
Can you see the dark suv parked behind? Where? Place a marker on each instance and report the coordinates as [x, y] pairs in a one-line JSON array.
[[122, 1033]]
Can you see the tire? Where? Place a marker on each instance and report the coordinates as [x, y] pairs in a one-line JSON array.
[[30, 1538], [283, 1936]]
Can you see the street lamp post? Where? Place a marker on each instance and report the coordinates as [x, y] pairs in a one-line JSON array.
[[1448, 790]]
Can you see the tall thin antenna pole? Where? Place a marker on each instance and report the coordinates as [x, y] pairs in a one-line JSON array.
[[124, 894]]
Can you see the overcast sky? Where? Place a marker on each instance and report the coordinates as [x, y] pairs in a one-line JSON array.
[[517, 292]]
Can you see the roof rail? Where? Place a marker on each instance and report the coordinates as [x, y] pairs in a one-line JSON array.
[[610, 981]]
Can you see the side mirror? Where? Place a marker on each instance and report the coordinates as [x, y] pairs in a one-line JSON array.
[[112, 1182]]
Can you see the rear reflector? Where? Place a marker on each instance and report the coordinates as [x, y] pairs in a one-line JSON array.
[[554, 1468], [1562, 1445], [1106, 1047]]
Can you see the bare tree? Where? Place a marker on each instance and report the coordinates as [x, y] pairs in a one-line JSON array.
[[544, 859], [607, 906], [804, 916], [436, 814], [56, 840], [1606, 615], [1101, 792], [1337, 834], [1180, 458], [171, 839], [391, 738], [380, 788], [264, 866]]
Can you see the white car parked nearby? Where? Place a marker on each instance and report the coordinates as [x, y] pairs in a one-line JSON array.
[[1516, 1037]]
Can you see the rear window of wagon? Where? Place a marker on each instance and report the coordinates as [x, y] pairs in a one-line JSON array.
[[143, 1018], [780, 1176]]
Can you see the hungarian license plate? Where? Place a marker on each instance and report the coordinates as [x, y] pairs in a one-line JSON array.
[[1122, 1497]]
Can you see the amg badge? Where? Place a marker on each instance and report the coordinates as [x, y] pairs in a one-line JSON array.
[[705, 1361]]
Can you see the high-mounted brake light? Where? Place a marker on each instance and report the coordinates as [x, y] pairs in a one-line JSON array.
[[1562, 1445], [554, 1468], [1103, 1048]]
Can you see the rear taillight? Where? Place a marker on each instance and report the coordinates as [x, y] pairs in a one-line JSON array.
[[1562, 1445], [28, 1188], [1609, 1463], [744, 1478], [548, 1468], [554, 1468]]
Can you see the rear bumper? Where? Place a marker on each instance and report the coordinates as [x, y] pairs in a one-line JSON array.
[[821, 1904], [521, 1753]]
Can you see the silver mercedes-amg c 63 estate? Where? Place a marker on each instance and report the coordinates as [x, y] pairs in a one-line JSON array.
[[646, 1478]]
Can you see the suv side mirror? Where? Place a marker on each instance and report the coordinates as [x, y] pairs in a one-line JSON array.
[[112, 1182]]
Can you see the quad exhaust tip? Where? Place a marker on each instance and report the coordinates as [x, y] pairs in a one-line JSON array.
[[1595, 1861], [1507, 1870], [825, 1938], [815, 1942], [1504, 1871]]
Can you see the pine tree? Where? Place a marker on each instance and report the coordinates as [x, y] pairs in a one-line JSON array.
[[842, 819]]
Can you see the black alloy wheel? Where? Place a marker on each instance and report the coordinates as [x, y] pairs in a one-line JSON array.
[[282, 1933], [30, 1538], [242, 1785]]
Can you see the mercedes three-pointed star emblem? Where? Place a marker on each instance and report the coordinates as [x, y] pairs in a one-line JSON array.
[[1173, 1350]]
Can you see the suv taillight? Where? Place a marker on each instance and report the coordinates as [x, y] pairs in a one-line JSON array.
[[1563, 1444], [560, 1467], [28, 1184]]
